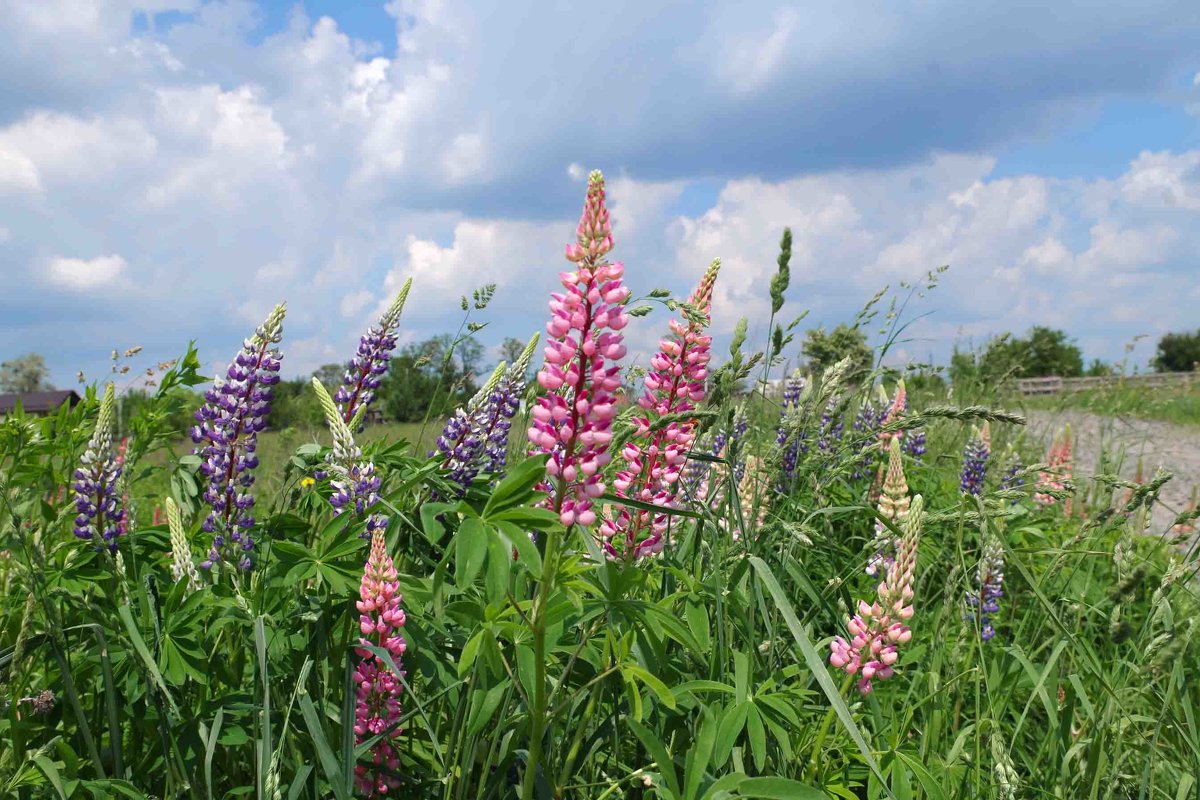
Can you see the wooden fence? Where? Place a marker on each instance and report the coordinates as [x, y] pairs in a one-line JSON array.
[[1056, 385]]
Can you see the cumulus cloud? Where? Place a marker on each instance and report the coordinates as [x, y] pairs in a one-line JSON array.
[[80, 274], [234, 167]]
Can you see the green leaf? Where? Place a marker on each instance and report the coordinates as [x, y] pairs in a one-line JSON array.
[[316, 732], [695, 766], [470, 551], [483, 707], [47, 768], [518, 487], [779, 789], [657, 751]]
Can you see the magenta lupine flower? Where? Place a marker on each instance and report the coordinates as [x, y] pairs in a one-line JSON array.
[[234, 412], [573, 421], [100, 516], [894, 411], [878, 629], [674, 385], [365, 372], [378, 689]]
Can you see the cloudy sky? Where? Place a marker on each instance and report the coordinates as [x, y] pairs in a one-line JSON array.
[[169, 169]]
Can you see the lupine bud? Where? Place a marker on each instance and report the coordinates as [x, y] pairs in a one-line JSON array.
[[182, 568], [100, 517], [573, 421], [365, 372], [894, 505], [226, 435], [878, 630], [378, 689], [674, 385]]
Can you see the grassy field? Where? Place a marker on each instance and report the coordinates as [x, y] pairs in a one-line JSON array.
[[1168, 404]]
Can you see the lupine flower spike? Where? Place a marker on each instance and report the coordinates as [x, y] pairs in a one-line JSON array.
[[975, 459], [459, 445], [377, 702], [355, 482], [674, 386], [894, 411], [475, 439], [787, 439], [573, 421], [234, 412], [1058, 472], [365, 372], [894, 505], [878, 629], [989, 587], [182, 568], [100, 517]]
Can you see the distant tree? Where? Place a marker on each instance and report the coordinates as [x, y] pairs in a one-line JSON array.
[[511, 349], [432, 377], [1099, 369], [823, 349], [295, 405], [330, 375], [25, 374], [1047, 351], [1177, 352]]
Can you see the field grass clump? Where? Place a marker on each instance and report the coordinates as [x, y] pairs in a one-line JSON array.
[[703, 589]]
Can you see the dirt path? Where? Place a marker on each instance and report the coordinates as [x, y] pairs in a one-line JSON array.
[[1174, 447]]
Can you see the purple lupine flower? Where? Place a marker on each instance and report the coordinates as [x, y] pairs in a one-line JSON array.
[[914, 443], [234, 412], [370, 363], [501, 406], [975, 458], [355, 482], [792, 389], [989, 588], [100, 517], [866, 422], [1012, 476], [831, 427]]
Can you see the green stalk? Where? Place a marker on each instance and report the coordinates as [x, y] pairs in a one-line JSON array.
[[537, 723]]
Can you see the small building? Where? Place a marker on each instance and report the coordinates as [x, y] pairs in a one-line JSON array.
[[39, 404]]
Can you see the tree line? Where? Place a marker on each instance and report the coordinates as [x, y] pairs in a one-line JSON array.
[[429, 379]]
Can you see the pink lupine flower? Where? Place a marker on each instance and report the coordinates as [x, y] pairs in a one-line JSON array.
[[894, 411], [674, 385], [1058, 472], [878, 629], [572, 422], [377, 708]]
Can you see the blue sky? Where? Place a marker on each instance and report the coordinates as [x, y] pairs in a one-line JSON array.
[[169, 169]]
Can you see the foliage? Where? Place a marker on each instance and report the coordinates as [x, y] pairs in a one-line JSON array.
[[429, 379], [27, 373], [1177, 352], [824, 349]]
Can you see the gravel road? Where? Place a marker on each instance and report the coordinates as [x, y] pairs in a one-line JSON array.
[[1174, 447]]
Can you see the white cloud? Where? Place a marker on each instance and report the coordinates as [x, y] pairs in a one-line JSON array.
[[353, 304], [81, 275]]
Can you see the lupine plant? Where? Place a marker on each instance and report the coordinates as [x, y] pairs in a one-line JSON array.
[[665, 600]]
